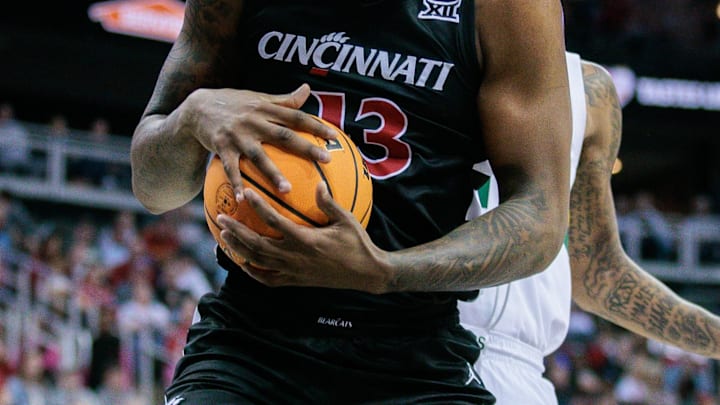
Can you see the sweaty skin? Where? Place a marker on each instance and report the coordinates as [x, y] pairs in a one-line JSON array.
[[606, 281]]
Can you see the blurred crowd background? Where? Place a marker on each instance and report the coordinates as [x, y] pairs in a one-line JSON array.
[[96, 295]]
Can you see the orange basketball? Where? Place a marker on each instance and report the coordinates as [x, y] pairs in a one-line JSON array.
[[347, 178]]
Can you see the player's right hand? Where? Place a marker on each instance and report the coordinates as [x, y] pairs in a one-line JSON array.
[[234, 124]]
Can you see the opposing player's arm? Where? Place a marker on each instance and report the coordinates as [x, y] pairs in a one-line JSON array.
[[167, 161], [524, 111], [606, 281]]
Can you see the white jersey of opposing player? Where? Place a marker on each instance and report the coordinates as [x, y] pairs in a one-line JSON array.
[[525, 320]]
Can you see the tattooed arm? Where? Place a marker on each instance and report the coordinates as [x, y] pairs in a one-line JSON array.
[[523, 106], [524, 110], [195, 110], [606, 281]]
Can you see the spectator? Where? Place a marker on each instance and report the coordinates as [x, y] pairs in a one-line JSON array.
[[687, 377], [560, 371], [117, 177], [183, 274], [20, 221], [105, 349], [71, 390], [6, 368], [107, 175], [29, 386], [703, 224], [142, 321], [143, 311], [640, 384], [195, 238], [177, 336], [629, 226], [15, 150], [701, 208], [582, 325], [57, 133], [84, 252], [100, 131], [58, 128], [114, 389], [139, 265], [660, 242], [5, 395], [93, 294], [161, 238], [115, 242], [6, 242], [590, 389], [91, 171], [55, 285], [607, 351]]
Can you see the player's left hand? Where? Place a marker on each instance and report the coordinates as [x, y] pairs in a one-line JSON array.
[[338, 255]]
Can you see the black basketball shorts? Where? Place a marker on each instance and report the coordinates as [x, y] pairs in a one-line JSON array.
[[232, 357]]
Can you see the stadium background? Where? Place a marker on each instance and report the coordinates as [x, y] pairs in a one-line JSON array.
[[55, 61]]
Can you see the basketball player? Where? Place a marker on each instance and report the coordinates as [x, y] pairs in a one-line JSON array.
[[425, 88], [521, 322]]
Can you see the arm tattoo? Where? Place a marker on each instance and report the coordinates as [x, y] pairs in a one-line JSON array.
[[597, 91], [196, 60], [501, 252], [618, 289], [659, 313]]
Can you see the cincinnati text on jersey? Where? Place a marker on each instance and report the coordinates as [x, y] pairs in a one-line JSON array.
[[332, 52]]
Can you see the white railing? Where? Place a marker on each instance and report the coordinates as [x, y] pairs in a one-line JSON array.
[[48, 179], [689, 237], [30, 322]]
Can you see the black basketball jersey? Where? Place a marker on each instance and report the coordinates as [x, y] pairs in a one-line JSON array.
[[400, 77]]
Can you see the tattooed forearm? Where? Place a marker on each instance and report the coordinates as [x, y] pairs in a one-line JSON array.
[[641, 302], [592, 216], [605, 280], [585, 225], [609, 284], [621, 296], [507, 243]]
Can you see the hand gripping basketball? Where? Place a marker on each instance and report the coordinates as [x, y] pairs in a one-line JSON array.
[[346, 176]]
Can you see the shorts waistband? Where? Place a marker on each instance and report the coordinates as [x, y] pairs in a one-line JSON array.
[[495, 344], [323, 311], [358, 323], [306, 317]]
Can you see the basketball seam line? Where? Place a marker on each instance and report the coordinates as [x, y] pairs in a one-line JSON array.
[[223, 248], [322, 174], [207, 214], [367, 211], [280, 202], [357, 180]]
